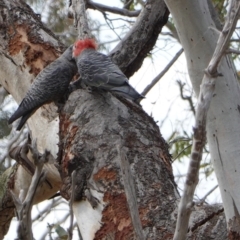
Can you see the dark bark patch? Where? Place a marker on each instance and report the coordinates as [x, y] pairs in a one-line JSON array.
[[105, 174], [36, 56]]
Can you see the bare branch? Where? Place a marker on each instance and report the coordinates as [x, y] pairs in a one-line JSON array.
[[204, 100], [161, 74], [47, 209], [115, 10], [208, 193], [224, 38], [127, 4], [235, 40], [188, 98], [24, 206], [233, 51], [182, 152]]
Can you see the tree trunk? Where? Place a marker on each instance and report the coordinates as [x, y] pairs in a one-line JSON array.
[[198, 35], [115, 146]]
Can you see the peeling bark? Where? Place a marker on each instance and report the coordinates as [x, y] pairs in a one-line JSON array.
[[94, 135]]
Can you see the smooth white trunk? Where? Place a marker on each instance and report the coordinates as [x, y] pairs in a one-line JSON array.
[[198, 36]]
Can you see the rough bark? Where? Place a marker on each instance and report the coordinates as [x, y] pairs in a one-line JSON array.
[[198, 35], [98, 136]]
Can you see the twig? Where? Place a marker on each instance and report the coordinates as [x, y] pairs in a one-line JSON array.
[[181, 152], [202, 200], [54, 225], [232, 51], [110, 24], [204, 99], [24, 206], [43, 213], [161, 74], [19, 154], [115, 10], [235, 40], [128, 4], [188, 98]]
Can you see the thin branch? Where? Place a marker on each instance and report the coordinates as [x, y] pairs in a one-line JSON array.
[[115, 10], [235, 40], [128, 4], [161, 74], [110, 25], [43, 213], [233, 51], [208, 193], [199, 137], [224, 38], [182, 152], [188, 98], [54, 225], [24, 206]]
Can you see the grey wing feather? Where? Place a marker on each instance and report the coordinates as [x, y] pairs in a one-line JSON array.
[[98, 70], [50, 84]]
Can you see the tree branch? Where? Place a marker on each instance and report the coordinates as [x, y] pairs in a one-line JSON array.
[[104, 8], [80, 19], [24, 206], [204, 100], [161, 74], [188, 98]]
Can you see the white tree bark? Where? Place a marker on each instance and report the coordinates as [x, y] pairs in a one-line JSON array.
[[198, 36], [22, 56]]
